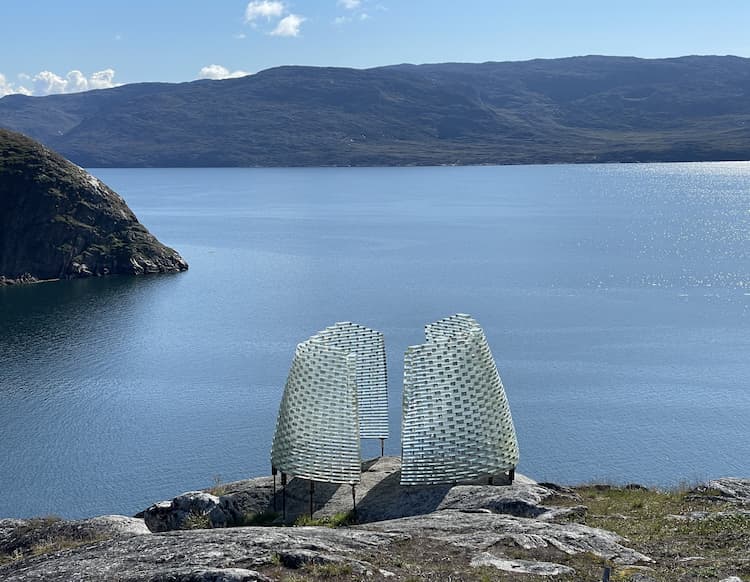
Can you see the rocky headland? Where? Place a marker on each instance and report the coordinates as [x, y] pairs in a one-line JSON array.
[[524, 531], [57, 221]]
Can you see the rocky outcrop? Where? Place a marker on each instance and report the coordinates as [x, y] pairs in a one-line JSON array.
[[484, 530], [23, 536], [57, 221], [734, 490], [203, 555], [465, 532]]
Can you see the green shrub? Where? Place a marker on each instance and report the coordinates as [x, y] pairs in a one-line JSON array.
[[340, 519], [196, 521]]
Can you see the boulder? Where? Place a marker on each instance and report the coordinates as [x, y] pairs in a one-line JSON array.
[[176, 514]]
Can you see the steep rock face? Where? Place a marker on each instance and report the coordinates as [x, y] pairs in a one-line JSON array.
[[57, 221]]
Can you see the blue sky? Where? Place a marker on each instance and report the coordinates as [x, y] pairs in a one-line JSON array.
[[52, 46]]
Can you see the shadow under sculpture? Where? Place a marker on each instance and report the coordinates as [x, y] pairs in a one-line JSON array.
[[335, 394], [456, 422]]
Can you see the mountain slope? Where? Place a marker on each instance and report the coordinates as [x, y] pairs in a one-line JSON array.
[[58, 221], [578, 109]]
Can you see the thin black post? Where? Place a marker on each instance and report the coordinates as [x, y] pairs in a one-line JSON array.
[[273, 472], [511, 475], [607, 572], [491, 480], [312, 491], [354, 500], [283, 495], [382, 446]]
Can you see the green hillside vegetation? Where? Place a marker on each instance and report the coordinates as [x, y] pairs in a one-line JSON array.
[[582, 109]]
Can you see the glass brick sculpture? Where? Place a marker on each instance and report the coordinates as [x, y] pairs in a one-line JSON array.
[[335, 394], [372, 382], [456, 419]]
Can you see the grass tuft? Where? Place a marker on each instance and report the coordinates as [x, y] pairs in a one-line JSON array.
[[341, 519]]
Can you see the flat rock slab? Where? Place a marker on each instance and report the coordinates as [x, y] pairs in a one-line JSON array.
[[23, 535], [481, 531], [197, 555], [520, 566]]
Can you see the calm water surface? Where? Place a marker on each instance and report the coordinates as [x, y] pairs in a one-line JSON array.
[[616, 300]]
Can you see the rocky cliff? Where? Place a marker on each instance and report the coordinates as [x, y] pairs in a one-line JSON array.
[[57, 221]]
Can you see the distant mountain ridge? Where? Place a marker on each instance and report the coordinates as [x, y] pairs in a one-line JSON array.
[[579, 109]]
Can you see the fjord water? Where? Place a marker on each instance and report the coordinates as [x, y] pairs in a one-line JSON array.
[[616, 300]]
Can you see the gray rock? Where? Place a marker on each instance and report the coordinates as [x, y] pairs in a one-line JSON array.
[[732, 579], [23, 536], [379, 497], [295, 559], [480, 531], [522, 499], [59, 222], [734, 490], [172, 515], [187, 555], [520, 566], [205, 575]]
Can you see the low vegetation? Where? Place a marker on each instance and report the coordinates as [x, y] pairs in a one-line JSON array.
[[38, 537], [691, 537], [340, 519]]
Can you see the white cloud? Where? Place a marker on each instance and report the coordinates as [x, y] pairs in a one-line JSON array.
[[289, 25], [239, 36], [264, 9], [356, 12], [102, 79], [281, 22], [219, 72], [49, 83], [8, 88], [75, 82]]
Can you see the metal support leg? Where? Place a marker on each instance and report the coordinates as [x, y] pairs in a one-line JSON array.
[[312, 491], [354, 500], [283, 496], [382, 446], [511, 475], [605, 575], [273, 472]]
